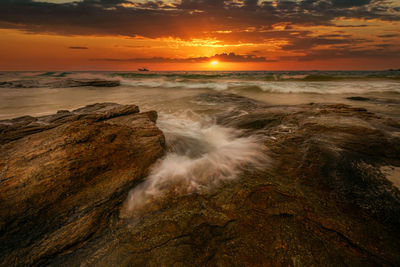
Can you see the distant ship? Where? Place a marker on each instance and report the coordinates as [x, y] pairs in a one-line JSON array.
[[143, 69]]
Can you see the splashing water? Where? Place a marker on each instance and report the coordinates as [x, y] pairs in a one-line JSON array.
[[200, 156]]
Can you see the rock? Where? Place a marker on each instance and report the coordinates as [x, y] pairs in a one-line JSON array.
[[323, 202], [358, 98], [386, 101], [20, 127], [336, 148], [59, 82], [20, 84], [95, 83], [83, 82], [64, 182], [63, 112]]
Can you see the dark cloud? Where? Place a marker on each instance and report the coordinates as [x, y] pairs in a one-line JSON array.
[[224, 57], [384, 51], [232, 57], [184, 20], [388, 35], [230, 22], [352, 26], [350, 3], [78, 47], [311, 42]]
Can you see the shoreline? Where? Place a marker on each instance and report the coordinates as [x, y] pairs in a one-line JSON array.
[[321, 185]]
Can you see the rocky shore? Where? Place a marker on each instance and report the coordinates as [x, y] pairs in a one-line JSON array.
[[64, 176], [322, 201], [58, 83]]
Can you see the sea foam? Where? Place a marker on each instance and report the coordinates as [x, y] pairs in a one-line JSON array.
[[277, 87], [201, 155]]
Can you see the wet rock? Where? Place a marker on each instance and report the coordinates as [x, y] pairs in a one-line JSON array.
[[386, 101], [17, 128], [95, 83], [59, 83], [20, 84], [63, 183], [358, 98], [334, 148], [324, 200]]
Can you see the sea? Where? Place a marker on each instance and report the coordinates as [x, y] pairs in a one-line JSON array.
[[170, 92], [197, 146]]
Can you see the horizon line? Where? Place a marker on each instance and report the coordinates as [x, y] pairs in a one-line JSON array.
[[388, 69]]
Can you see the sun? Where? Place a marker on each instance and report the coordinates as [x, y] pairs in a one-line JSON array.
[[214, 62]]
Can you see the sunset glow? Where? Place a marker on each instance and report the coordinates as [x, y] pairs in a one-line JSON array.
[[189, 35], [214, 63], [200, 133]]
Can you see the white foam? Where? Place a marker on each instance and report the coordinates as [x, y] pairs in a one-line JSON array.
[[330, 87], [284, 87], [162, 82], [91, 75], [201, 156]]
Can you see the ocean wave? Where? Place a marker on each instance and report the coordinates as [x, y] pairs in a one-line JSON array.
[[267, 76], [359, 87], [160, 82], [201, 155], [267, 82], [233, 75], [283, 87], [54, 74]]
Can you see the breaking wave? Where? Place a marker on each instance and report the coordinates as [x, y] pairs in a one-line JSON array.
[[268, 75], [292, 82], [282, 87], [268, 82], [200, 156]]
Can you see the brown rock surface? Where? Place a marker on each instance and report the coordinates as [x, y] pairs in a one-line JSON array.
[[322, 202], [62, 183]]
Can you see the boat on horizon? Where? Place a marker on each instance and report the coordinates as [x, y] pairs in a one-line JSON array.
[[142, 69]]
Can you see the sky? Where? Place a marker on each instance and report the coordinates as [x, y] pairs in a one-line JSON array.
[[124, 35]]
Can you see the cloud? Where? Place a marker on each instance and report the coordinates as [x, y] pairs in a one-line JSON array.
[[78, 47], [388, 35], [350, 3], [290, 25], [383, 51], [186, 19], [224, 57], [306, 43]]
